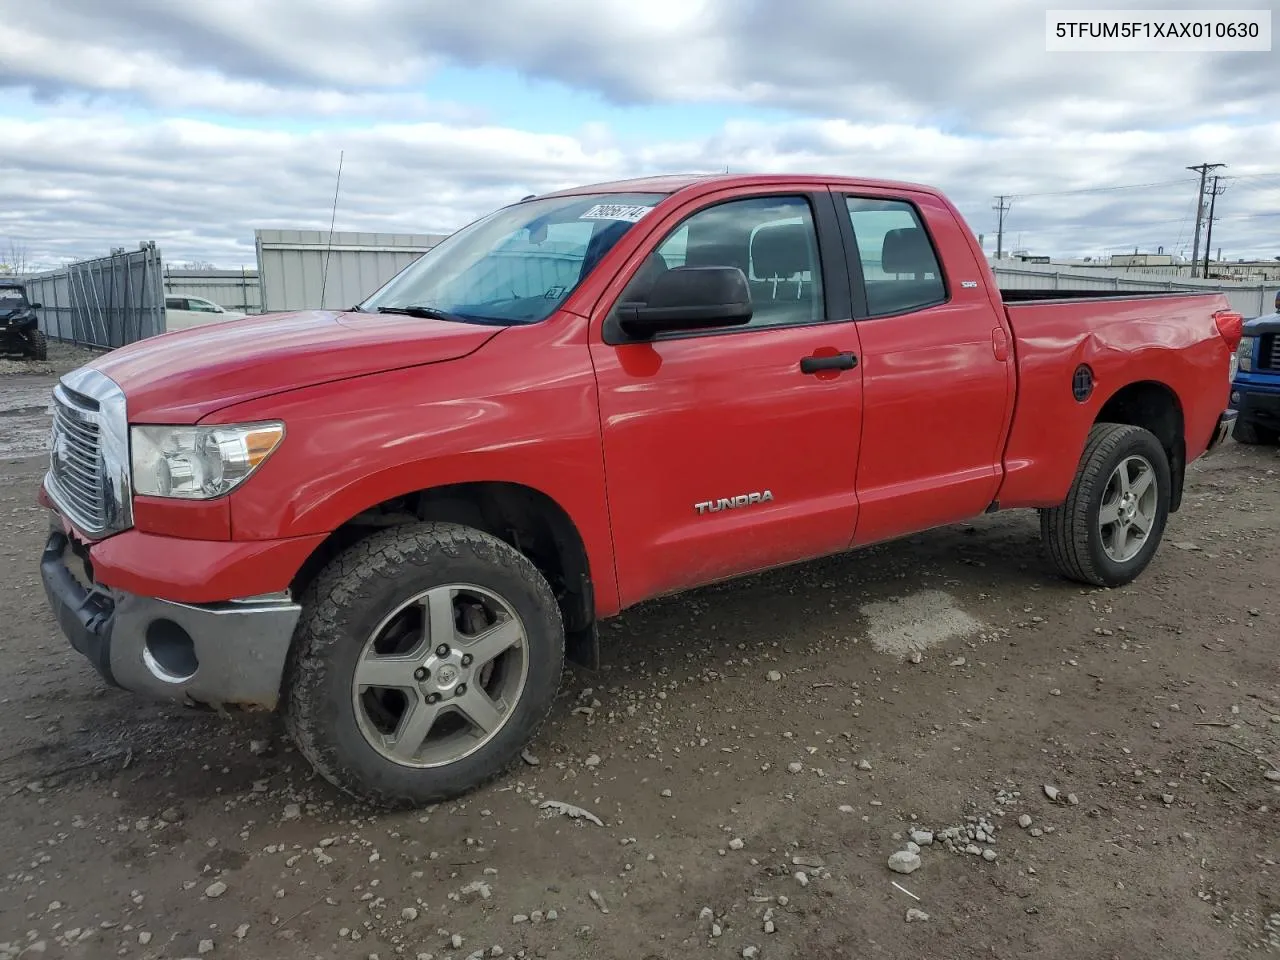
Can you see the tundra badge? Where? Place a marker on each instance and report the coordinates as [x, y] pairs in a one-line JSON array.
[[733, 503]]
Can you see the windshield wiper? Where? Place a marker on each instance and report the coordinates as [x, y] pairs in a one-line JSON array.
[[435, 313], [426, 313]]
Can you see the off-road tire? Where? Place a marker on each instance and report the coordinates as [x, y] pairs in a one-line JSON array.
[[343, 606], [1071, 532], [37, 347], [1251, 434]]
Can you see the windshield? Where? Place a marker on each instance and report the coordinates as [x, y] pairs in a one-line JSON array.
[[518, 264], [11, 297]]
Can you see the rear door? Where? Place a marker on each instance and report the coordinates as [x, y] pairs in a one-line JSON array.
[[937, 366], [725, 450]]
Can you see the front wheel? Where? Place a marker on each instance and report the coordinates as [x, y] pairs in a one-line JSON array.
[[1251, 434], [427, 657], [37, 347], [1110, 526]]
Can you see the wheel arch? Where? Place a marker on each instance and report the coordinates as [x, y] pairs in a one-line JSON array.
[[522, 516], [1156, 407]]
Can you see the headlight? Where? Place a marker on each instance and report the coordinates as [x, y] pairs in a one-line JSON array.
[[1244, 353], [199, 463]]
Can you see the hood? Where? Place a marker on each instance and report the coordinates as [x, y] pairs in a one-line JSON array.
[[1267, 323], [183, 376]]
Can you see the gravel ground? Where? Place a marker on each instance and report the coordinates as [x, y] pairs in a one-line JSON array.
[[63, 357], [928, 749]]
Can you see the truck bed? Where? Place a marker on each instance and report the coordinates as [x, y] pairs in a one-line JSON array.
[[1010, 295], [1076, 349]]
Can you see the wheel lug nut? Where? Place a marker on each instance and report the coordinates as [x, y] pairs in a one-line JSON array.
[[466, 659], [421, 673], [433, 698], [460, 689], [442, 650]]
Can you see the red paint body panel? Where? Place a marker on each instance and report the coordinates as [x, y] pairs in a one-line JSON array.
[[522, 410], [182, 376], [937, 399], [1172, 341], [949, 408], [690, 420], [197, 519], [198, 571]]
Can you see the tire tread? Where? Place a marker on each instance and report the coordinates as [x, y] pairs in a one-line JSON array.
[[1065, 529], [380, 555]]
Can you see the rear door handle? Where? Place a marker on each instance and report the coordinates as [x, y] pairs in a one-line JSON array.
[[841, 361]]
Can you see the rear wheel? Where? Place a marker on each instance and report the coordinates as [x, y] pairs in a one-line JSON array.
[[1251, 434], [37, 345], [427, 657], [1110, 526]]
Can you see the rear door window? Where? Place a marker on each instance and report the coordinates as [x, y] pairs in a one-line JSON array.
[[900, 269]]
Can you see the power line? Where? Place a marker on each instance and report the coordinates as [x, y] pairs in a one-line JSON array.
[[1139, 186], [1123, 186], [1253, 176]]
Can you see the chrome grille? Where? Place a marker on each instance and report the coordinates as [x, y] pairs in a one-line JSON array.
[[75, 461], [88, 477]]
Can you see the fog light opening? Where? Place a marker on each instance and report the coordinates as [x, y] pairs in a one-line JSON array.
[[169, 652]]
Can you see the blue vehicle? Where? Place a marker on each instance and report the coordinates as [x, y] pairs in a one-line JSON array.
[[1255, 389]]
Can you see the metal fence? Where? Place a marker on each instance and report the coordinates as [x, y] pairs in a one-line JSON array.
[[291, 266], [235, 290], [105, 302], [1249, 300]]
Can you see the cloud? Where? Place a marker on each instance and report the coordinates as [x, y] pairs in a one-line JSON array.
[[926, 61], [199, 189], [101, 146]]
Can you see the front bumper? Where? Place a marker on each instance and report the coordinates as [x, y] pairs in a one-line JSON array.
[[220, 654], [1257, 406]]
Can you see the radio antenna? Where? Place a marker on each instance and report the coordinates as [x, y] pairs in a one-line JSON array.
[[324, 274]]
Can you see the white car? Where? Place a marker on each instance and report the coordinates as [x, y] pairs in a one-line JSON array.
[[181, 313]]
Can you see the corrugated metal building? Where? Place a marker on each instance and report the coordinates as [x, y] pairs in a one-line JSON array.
[[291, 265], [1250, 300], [236, 290]]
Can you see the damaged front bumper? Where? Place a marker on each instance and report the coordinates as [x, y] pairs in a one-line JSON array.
[[218, 654]]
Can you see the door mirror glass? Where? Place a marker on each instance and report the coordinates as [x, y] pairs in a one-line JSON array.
[[689, 298]]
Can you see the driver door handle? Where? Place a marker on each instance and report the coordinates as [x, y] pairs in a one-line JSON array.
[[841, 361]]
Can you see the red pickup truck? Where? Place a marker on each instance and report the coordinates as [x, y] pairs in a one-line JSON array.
[[395, 522]]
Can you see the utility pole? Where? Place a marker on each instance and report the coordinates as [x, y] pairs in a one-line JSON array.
[[1001, 208], [1208, 240], [1202, 169]]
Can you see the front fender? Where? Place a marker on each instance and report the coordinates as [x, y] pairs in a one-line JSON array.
[[523, 411]]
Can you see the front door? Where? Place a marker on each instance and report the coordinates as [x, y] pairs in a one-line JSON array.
[[725, 450]]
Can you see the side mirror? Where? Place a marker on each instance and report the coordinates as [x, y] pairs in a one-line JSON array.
[[37, 306], [689, 298]]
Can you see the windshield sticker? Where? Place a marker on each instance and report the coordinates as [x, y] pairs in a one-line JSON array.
[[630, 212]]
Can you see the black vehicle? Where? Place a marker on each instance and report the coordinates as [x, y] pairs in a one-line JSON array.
[[19, 327]]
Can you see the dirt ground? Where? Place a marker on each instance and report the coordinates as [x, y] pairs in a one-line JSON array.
[[755, 752]]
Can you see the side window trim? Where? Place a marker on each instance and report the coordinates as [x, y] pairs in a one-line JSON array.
[[831, 261], [857, 277]]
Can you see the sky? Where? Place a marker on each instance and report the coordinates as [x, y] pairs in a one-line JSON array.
[[191, 123]]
